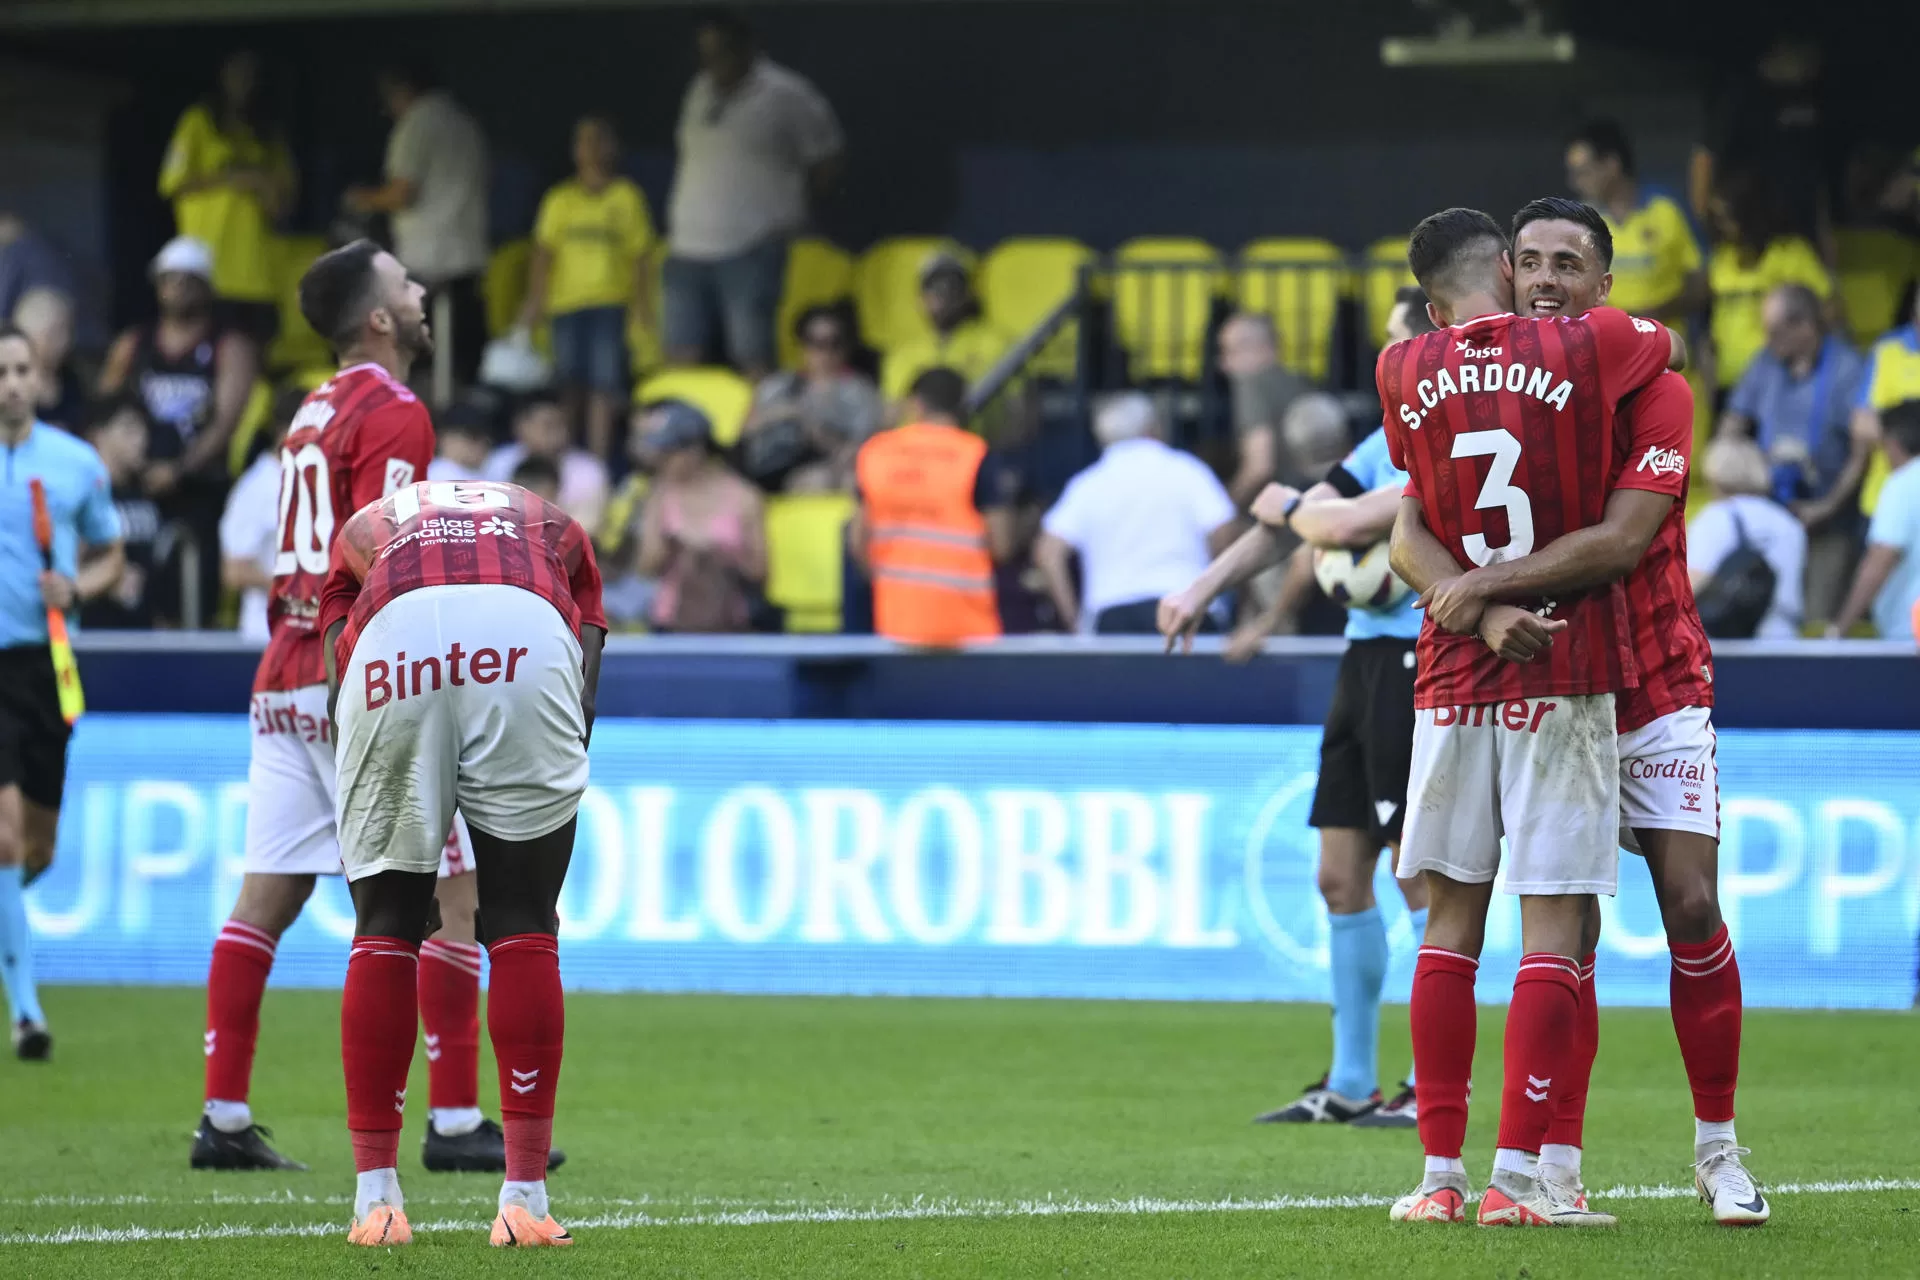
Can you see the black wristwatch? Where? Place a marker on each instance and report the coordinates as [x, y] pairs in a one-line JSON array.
[[1286, 514]]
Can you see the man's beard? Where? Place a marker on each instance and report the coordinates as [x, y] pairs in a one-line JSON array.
[[415, 340]]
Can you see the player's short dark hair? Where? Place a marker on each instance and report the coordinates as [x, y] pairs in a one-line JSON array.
[[1561, 209], [1447, 244], [941, 391], [337, 291], [1417, 318], [1606, 138], [730, 25], [1901, 424], [534, 470]]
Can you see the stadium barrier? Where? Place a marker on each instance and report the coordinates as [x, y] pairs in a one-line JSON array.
[[817, 854]]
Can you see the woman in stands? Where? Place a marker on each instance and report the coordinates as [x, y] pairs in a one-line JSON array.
[[702, 534], [806, 425]]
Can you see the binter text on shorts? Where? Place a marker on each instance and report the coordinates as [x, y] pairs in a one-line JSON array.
[[402, 679]]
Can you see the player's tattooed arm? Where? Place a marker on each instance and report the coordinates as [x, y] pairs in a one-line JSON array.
[[333, 674], [1577, 561]]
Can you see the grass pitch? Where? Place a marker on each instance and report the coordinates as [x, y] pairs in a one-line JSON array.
[[843, 1138]]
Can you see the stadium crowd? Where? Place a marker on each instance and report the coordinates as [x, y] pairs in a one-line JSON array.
[[723, 403]]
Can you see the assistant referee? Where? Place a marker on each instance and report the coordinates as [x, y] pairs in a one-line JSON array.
[[33, 734]]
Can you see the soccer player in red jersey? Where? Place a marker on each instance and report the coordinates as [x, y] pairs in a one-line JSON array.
[[359, 435], [1505, 426], [1669, 782], [463, 625]]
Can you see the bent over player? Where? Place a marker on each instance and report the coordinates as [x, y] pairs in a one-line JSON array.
[[361, 434], [1505, 428], [1669, 781], [463, 626]]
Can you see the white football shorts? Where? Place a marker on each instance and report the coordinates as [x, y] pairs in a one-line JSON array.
[[1541, 772], [1669, 777], [290, 792], [462, 696]]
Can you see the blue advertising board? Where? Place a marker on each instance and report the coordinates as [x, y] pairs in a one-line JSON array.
[[984, 859]]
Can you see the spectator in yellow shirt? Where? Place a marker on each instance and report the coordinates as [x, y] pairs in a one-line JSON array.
[[1657, 268], [593, 242], [960, 341], [230, 178], [1754, 256]]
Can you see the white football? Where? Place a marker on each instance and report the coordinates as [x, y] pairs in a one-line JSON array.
[[1358, 580]]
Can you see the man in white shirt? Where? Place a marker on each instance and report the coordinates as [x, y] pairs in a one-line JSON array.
[[436, 197], [250, 531], [1888, 580], [756, 140], [1145, 520]]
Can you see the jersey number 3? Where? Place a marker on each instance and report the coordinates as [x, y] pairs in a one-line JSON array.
[[1498, 491], [306, 512]]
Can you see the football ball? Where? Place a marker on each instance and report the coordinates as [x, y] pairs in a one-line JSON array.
[[1358, 580]]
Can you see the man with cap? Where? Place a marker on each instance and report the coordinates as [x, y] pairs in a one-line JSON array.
[[958, 338], [194, 377]]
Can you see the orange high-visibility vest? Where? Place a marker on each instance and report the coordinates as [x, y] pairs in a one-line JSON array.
[[926, 542]]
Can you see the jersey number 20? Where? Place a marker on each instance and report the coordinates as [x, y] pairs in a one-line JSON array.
[[1498, 491], [306, 512]]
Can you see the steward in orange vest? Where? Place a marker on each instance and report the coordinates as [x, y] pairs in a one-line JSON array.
[[921, 529]]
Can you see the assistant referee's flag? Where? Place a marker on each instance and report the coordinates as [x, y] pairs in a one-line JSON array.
[[66, 675]]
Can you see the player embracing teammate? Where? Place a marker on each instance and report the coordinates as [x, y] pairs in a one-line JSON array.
[[1506, 428], [1668, 778]]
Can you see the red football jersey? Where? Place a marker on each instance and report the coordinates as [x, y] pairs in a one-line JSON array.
[[1505, 427], [1670, 643], [447, 532], [358, 436]]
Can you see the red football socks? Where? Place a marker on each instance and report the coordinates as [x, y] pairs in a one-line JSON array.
[[450, 1022], [1540, 1030], [236, 979], [379, 1017], [1576, 1072], [1443, 1018], [1705, 995], [526, 1016]]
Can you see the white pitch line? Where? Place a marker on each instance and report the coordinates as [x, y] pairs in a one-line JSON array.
[[905, 1212]]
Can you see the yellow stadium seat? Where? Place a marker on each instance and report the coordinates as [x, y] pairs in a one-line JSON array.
[[1386, 275], [1876, 265], [1298, 283], [296, 344], [1022, 280], [804, 540], [723, 395], [1163, 293], [818, 272], [254, 418], [645, 351], [505, 285], [886, 288]]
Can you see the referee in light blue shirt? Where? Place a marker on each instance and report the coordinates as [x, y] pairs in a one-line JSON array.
[[33, 734], [1366, 753]]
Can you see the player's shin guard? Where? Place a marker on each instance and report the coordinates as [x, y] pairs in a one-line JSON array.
[[236, 980], [450, 1023], [1443, 1017], [1576, 1073], [379, 1017], [1540, 1030], [1705, 994], [526, 1018]]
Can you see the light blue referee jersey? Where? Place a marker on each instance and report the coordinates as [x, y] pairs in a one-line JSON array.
[[1371, 466], [81, 503]]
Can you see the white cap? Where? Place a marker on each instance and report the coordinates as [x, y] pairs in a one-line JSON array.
[[186, 255]]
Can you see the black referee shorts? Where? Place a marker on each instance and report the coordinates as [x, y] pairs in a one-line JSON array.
[[1367, 749], [33, 735]]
